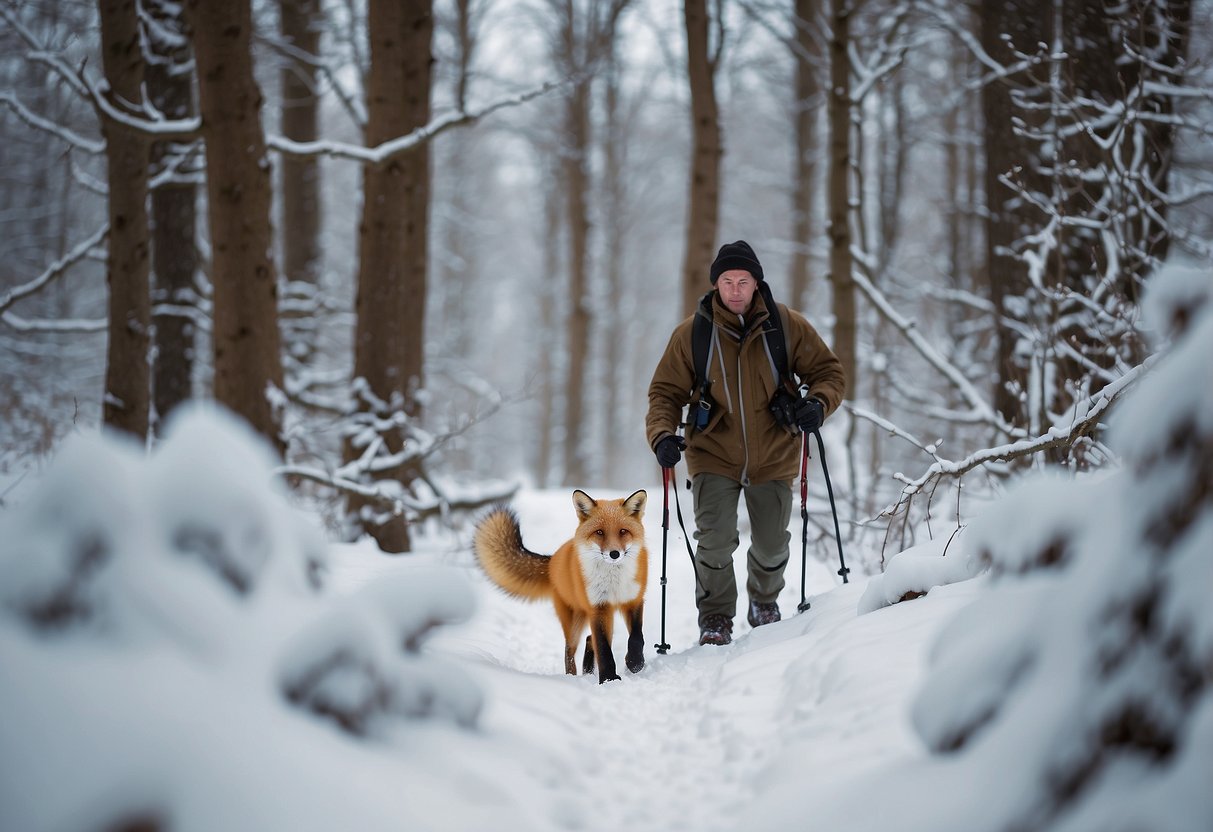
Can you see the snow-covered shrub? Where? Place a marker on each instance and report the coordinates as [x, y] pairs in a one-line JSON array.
[[166, 645], [1082, 683], [915, 572]]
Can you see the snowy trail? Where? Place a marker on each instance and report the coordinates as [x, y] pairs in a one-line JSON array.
[[696, 738]]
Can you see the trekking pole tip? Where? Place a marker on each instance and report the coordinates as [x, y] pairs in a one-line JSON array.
[[662, 648], [804, 605]]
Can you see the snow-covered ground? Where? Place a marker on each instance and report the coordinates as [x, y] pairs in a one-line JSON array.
[[214, 689], [693, 740]]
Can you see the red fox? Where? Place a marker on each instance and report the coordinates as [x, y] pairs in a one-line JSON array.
[[603, 568]]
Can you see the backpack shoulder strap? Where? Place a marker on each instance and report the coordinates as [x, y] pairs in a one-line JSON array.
[[774, 328], [701, 340]]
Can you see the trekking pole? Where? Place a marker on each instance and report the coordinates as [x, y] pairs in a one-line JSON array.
[[662, 647], [842, 565], [804, 518]]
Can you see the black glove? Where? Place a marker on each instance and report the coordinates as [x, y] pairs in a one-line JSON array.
[[669, 451], [809, 414]]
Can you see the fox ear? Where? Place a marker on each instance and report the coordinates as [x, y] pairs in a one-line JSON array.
[[635, 504], [583, 503]]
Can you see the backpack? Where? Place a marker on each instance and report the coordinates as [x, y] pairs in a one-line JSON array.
[[701, 346], [772, 330]]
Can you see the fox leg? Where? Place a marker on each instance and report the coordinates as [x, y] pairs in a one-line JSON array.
[[634, 616], [573, 624], [602, 626], [587, 664]]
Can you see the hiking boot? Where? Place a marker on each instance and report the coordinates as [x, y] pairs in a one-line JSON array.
[[716, 629], [760, 614]]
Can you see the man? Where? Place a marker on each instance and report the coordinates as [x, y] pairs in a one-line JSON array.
[[739, 446]]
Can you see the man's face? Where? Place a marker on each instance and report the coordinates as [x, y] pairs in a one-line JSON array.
[[736, 288]]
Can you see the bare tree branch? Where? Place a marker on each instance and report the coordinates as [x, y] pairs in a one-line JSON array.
[[54, 271], [1090, 415], [39, 123], [388, 150], [57, 325], [908, 328]]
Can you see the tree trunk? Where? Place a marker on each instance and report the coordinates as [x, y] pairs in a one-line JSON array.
[[1113, 54], [841, 281], [390, 336], [248, 364], [1027, 23], [546, 403], [174, 223], [576, 176], [127, 374], [455, 266], [703, 199], [953, 176], [807, 90], [891, 166], [301, 255], [613, 318]]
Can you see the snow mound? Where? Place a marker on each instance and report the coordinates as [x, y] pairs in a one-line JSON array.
[[914, 572], [168, 609], [1081, 682]]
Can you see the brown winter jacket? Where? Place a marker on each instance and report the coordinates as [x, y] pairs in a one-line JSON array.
[[742, 440]]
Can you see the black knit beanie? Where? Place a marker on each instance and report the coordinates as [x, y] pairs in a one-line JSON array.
[[736, 255]]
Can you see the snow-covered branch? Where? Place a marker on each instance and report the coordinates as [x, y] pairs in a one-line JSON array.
[[892, 429], [45, 125], [54, 271], [156, 127], [39, 52], [349, 100], [1087, 417], [439, 502], [885, 58], [387, 150], [54, 325], [981, 407]]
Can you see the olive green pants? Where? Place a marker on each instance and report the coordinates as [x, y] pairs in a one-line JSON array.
[[770, 508]]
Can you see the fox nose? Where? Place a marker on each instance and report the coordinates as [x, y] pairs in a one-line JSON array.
[[614, 554]]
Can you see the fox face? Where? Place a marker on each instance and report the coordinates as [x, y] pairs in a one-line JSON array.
[[608, 540]]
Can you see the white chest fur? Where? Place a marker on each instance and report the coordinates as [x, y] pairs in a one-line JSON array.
[[609, 581]]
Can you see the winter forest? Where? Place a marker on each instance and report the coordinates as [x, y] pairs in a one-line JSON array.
[[427, 253]]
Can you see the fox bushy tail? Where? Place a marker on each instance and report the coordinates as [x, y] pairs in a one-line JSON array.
[[519, 571]]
